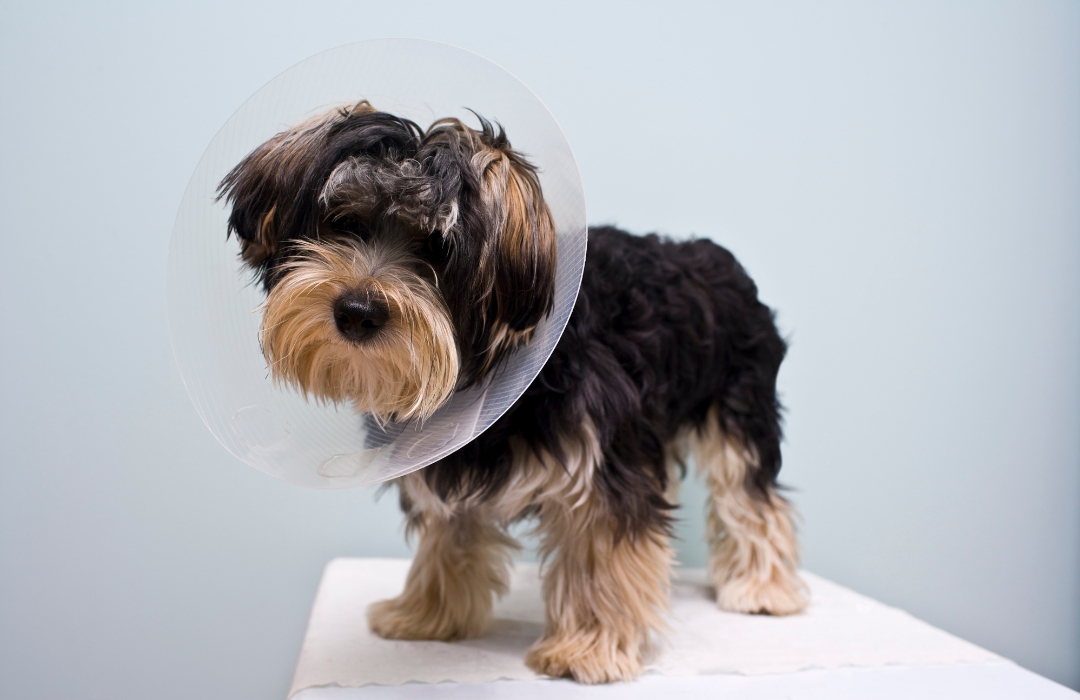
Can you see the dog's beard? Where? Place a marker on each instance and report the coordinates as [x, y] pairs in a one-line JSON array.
[[406, 370]]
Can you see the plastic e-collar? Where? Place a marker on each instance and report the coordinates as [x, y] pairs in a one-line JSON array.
[[214, 312]]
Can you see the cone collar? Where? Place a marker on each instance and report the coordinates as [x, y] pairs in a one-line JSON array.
[[214, 314]]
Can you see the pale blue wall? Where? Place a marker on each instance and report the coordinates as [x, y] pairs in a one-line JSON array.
[[902, 179]]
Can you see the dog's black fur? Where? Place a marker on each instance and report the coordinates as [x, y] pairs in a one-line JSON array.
[[661, 332]]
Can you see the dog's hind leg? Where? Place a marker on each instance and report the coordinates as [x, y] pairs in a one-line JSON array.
[[462, 561], [753, 552]]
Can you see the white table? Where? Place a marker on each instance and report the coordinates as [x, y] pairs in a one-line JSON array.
[[844, 646]]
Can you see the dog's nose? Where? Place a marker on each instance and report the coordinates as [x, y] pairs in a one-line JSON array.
[[360, 315]]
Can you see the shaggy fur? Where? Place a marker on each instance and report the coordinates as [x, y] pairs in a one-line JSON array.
[[464, 220], [403, 264], [410, 366]]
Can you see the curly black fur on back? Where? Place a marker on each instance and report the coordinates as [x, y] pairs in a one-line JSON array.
[[662, 332]]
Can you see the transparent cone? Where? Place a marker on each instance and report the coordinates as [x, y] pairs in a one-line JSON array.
[[214, 303]]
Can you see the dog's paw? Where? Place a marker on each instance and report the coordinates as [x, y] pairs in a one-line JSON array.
[[587, 658], [783, 593], [406, 618]]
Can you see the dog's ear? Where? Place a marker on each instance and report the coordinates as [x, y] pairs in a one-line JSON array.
[[502, 240], [522, 259], [268, 189]]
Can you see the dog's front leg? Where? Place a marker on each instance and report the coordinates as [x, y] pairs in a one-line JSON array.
[[605, 593], [462, 561]]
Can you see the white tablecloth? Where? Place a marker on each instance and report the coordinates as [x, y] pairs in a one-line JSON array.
[[843, 641]]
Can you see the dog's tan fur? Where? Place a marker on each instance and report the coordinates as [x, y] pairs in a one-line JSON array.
[[407, 371], [754, 556], [461, 561], [605, 596], [605, 593]]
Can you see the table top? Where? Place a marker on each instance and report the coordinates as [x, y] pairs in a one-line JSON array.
[[843, 645]]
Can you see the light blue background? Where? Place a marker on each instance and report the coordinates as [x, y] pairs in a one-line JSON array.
[[902, 180]]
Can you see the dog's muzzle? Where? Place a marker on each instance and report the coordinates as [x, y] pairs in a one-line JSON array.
[[359, 314]]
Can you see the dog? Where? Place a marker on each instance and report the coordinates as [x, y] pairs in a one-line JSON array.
[[402, 265]]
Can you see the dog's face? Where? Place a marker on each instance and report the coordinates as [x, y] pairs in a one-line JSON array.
[[400, 265]]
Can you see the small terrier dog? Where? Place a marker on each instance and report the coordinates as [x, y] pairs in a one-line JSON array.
[[402, 265]]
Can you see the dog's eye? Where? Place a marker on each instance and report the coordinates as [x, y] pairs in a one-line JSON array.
[[348, 225], [435, 248]]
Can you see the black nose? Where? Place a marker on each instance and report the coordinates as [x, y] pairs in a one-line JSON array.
[[360, 315]]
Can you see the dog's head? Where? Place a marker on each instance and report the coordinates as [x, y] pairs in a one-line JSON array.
[[400, 265]]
